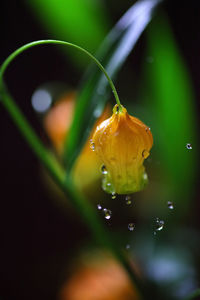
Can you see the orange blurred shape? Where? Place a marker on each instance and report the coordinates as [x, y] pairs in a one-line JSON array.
[[57, 122], [101, 280]]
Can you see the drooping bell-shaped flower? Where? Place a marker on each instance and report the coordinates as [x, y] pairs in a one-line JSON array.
[[122, 142]]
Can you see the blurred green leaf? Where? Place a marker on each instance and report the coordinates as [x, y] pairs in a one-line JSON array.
[[171, 101], [82, 22], [95, 90]]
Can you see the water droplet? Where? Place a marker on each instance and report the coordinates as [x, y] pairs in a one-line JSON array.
[[128, 246], [99, 207], [92, 145], [148, 129], [114, 195], [170, 205], [107, 213], [131, 226], [159, 225], [128, 200], [189, 146], [145, 154], [108, 184], [104, 170]]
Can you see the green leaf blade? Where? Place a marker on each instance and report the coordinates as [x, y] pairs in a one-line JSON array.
[[172, 103]]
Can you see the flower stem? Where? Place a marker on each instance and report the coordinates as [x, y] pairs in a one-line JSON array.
[[11, 57]]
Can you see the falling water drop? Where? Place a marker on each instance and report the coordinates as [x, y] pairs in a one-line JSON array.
[[131, 226], [159, 225], [189, 146], [107, 213], [128, 200], [170, 205], [128, 246], [99, 207]]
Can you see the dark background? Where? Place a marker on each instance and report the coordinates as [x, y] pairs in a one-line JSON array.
[[37, 238]]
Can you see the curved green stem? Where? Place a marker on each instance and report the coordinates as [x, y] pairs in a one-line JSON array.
[[57, 42]]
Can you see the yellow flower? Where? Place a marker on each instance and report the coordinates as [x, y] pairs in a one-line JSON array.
[[122, 142]]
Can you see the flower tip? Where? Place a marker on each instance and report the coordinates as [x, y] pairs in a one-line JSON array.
[[118, 108]]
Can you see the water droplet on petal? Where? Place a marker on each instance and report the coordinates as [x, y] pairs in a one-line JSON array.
[[170, 205], [92, 145], [107, 213], [145, 154], [159, 225], [99, 207], [128, 200], [147, 129], [189, 146], [131, 226], [104, 170]]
